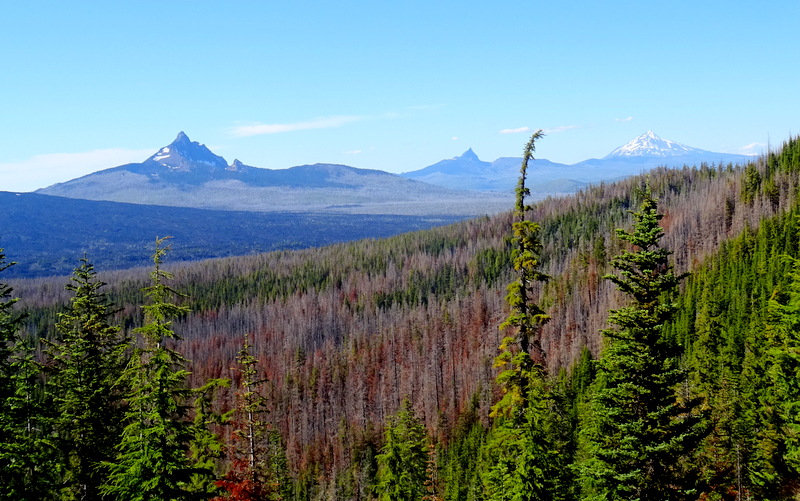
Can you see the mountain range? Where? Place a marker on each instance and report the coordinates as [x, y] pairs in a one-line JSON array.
[[114, 213], [186, 173], [468, 172]]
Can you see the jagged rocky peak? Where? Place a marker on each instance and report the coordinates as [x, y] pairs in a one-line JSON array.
[[468, 155], [182, 138], [237, 166], [183, 154], [650, 145]]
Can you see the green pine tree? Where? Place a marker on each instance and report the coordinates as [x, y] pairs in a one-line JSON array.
[[459, 459], [27, 458], [9, 327], [779, 440], [402, 461], [87, 361], [153, 460], [639, 428], [521, 458], [207, 450], [526, 317]]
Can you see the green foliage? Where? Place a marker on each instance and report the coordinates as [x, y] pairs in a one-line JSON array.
[[27, 457], [9, 328], [152, 459], [784, 328], [207, 449], [730, 321], [526, 317], [87, 359], [639, 429], [402, 461], [459, 460], [520, 459], [524, 458], [778, 443], [750, 184]]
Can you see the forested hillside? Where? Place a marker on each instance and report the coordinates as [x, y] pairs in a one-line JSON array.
[[346, 334]]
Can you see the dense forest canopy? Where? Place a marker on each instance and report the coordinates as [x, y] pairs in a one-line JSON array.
[[375, 360]]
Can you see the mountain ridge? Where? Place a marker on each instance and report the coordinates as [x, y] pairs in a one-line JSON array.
[[638, 155], [186, 173]]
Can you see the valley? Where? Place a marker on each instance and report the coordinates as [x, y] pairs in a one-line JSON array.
[[344, 334]]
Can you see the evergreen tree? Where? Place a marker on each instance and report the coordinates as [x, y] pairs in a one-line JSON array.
[[403, 459], [27, 460], [152, 459], [9, 327], [521, 460], [779, 438], [207, 450], [526, 317], [639, 427], [88, 359], [460, 459]]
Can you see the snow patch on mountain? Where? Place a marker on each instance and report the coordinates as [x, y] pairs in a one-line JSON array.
[[183, 154]]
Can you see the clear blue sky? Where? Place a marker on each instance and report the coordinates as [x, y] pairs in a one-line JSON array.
[[386, 85]]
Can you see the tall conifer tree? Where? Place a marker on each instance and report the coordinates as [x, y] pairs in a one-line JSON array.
[[152, 459], [526, 317], [641, 429], [777, 446], [85, 373], [27, 459], [521, 459], [9, 326], [403, 459]]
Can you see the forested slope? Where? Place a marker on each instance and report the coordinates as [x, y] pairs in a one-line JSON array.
[[345, 333]]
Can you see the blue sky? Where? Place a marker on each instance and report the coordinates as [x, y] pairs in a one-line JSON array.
[[394, 86]]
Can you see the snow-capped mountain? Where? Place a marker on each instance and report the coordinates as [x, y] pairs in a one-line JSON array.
[[650, 145], [640, 155]]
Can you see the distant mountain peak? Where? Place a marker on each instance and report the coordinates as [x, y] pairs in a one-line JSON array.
[[237, 166], [468, 155], [181, 138], [185, 155], [650, 145]]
